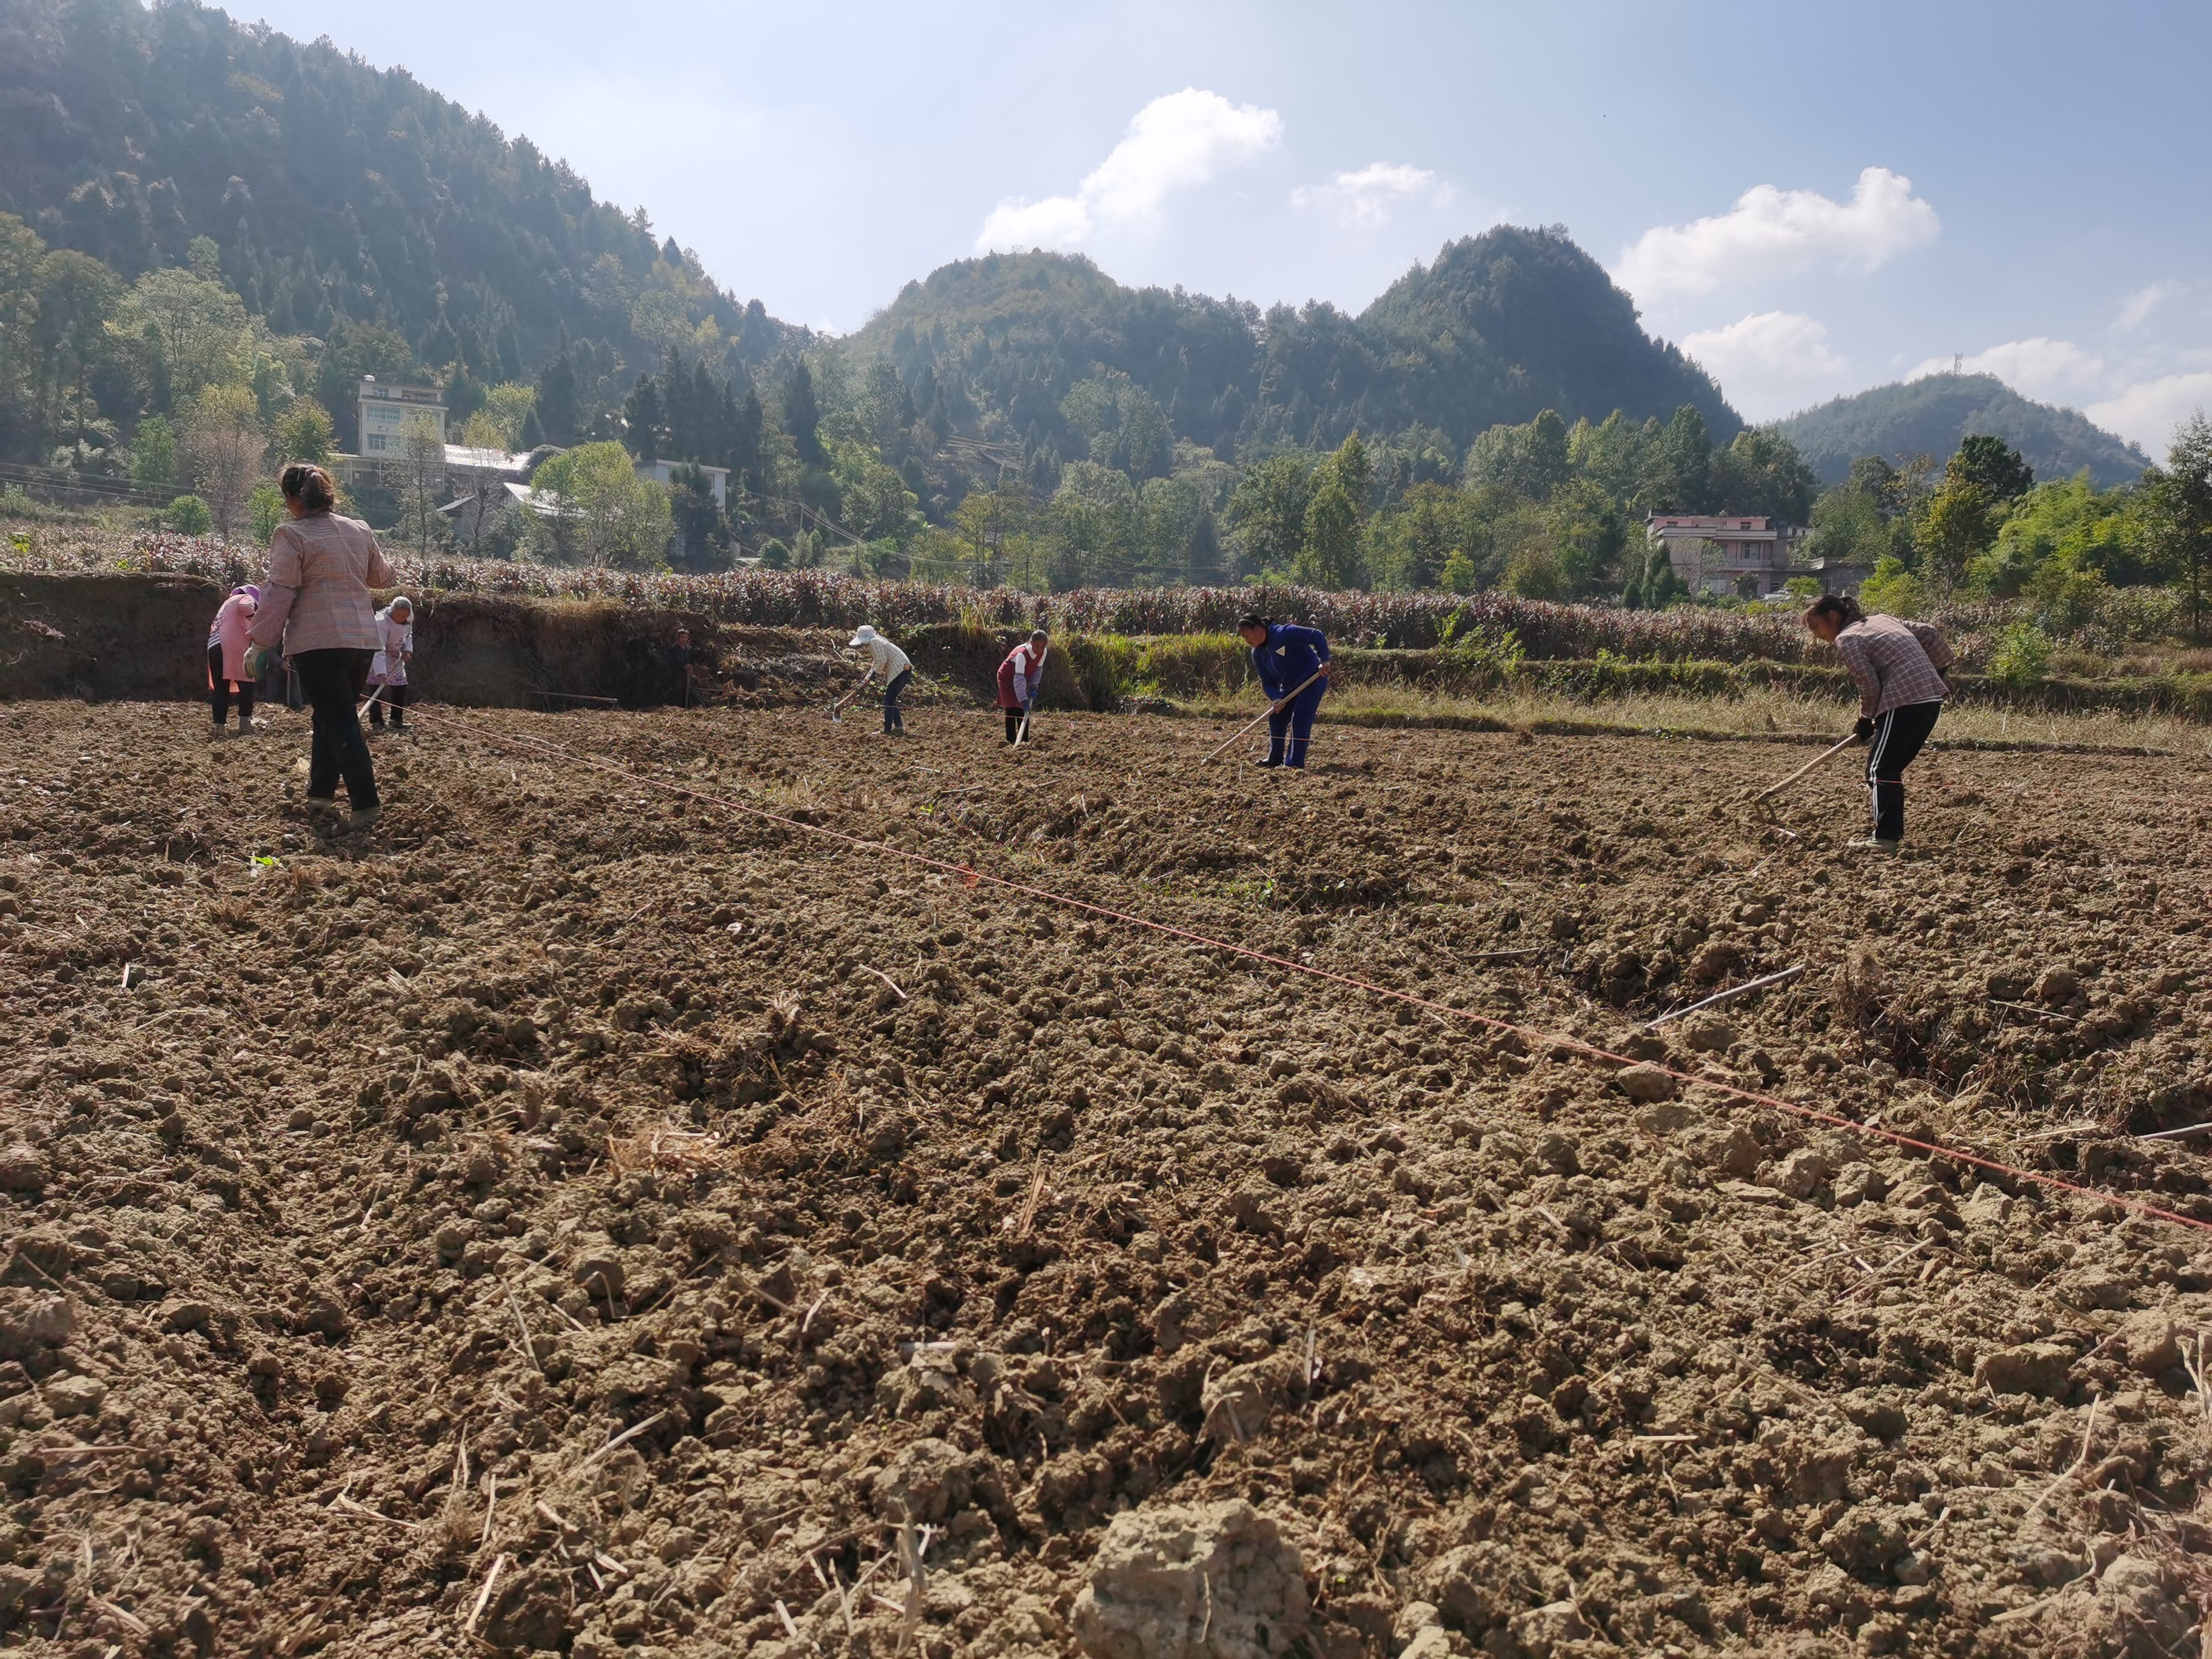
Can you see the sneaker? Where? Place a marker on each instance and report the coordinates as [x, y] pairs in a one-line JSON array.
[[1871, 844], [322, 804], [364, 816], [1268, 765]]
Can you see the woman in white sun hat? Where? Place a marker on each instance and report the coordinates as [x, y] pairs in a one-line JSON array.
[[887, 659]]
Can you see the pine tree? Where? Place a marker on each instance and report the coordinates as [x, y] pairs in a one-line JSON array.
[[643, 417], [558, 409], [801, 418]]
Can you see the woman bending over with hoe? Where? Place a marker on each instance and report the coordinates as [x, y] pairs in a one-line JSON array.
[[1021, 676], [888, 660], [1898, 668], [1292, 663]]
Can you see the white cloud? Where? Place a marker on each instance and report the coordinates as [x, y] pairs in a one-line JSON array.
[[2136, 308], [1365, 197], [1173, 143], [1772, 232], [1056, 222], [1770, 363], [2051, 370], [2146, 412]]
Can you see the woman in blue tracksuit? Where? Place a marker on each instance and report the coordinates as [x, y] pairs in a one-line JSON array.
[[1285, 655]]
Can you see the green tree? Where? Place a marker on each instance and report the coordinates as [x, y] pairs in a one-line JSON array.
[[1147, 442], [559, 412], [423, 482], [1763, 473], [1091, 525], [877, 505], [1958, 524], [2069, 527], [1533, 573], [1412, 543], [224, 451], [1267, 513], [1532, 459], [597, 511], [303, 431], [1168, 514], [153, 453], [188, 515], [1329, 557], [983, 520], [1678, 466], [198, 331], [2179, 512], [801, 418], [507, 407], [77, 298], [1849, 527], [264, 511], [1588, 536], [1994, 465], [1891, 588]]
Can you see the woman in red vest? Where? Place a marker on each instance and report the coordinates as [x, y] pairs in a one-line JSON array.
[[1020, 677]]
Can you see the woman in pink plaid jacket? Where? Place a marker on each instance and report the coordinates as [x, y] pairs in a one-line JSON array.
[[1898, 668]]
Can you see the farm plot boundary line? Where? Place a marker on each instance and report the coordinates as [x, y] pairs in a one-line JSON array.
[[972, 876]]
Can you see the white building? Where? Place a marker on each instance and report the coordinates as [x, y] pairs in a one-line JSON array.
[[1747, 555], [662, 472], [386, 411]]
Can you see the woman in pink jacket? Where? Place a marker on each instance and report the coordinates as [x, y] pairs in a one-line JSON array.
[[316, 608], [227, 637]]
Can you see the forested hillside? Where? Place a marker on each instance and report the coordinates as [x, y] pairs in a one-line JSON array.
[[1932, 414], [1500, 327], [347, 205]]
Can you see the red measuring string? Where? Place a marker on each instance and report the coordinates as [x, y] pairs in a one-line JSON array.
[[971, 877]]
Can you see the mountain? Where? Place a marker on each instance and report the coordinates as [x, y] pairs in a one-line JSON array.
[[1500, 327], [337, 196], [186, 203], [1930, 416]]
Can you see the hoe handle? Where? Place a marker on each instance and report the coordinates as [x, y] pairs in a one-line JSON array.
[[1776, 788], [1264, 713]]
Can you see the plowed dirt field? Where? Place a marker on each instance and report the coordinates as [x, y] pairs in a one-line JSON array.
[[572, 1218]]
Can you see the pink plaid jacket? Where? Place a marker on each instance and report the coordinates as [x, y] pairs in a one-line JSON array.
[[1894, 664], [315, 597]]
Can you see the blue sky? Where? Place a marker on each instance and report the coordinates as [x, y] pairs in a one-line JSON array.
[[1813, 198]]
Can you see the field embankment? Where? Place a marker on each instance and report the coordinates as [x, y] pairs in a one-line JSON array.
[[83, 621]]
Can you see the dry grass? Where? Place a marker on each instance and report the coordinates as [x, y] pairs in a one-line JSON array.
[[1757, 713]]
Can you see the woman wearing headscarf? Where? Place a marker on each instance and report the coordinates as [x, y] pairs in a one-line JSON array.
[[315, 600], [395, 649], [228, 638]]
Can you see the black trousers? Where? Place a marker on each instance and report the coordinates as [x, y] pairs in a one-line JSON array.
[[393, 697], [894, 718], [1013, 723], [219, 696], [332, 682], [1897, 736]]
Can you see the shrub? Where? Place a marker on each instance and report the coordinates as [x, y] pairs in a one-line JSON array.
[[1891, 588], [2022, 658], [188, 515], [264, 511]]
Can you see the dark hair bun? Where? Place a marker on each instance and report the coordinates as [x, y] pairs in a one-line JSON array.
[[309, 485], [1841, 606]]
